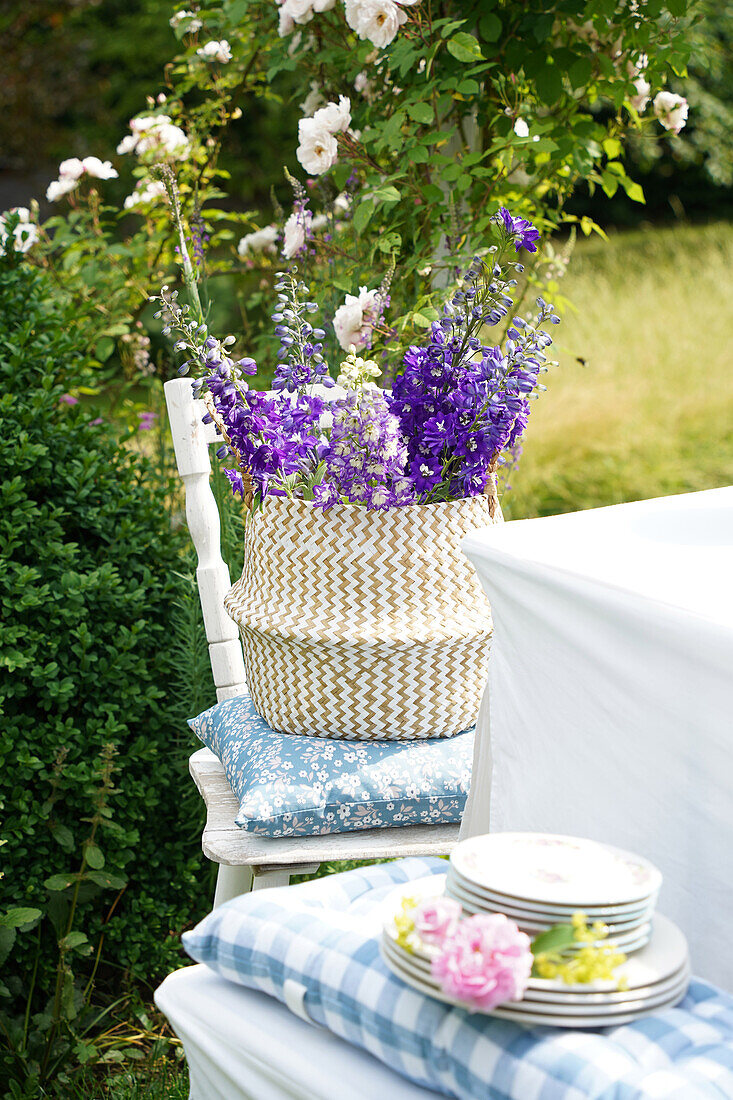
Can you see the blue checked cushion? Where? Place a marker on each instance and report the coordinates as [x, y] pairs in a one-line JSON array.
[[288, 785], [324, 934]]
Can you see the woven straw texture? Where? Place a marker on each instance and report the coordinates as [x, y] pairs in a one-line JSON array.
[[363, 625]]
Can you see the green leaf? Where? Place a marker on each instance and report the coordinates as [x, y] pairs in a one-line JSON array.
[[59, 882], [107, 881], [554, 939], [633, 190], [16, 918], [612, 147], [363, 214], [63, 836], [420, 320], [94, 857], [464, 47], [7, 939], [72, 941], [386, 194], [420, 112], [490, 27], [677, 8], [549, 83], [580, 72], [104, 348]]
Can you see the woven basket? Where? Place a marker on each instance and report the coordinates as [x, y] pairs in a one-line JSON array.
[[363, 625]]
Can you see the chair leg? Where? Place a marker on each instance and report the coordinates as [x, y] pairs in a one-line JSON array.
[[264, 879], [231, 882]]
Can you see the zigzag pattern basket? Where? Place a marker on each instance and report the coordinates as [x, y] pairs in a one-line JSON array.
[[363, 625]]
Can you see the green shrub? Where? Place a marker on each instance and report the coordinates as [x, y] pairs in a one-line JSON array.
[[90, 601]]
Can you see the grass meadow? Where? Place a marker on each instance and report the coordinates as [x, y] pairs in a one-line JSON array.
[[650, 412]]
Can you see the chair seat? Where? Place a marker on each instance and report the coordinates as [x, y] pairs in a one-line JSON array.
[[224, 842]]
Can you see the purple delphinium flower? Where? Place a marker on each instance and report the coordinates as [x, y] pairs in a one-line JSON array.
[[522, 232], [301, 362]]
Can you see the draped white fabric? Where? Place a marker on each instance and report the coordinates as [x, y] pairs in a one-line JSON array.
[[609, 707], [243, 1045]]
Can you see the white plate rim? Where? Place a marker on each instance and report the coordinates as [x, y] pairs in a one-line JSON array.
[[459, 853], [596, 912]]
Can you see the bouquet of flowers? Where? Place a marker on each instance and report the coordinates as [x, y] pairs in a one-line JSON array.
[[456, 410]]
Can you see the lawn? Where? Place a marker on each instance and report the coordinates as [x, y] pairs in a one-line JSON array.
[[648, 413]]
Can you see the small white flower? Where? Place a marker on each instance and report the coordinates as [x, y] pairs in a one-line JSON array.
[[638, 67], [342, 202], [375, 20], [671, 110], [364, 86], [155, 137], [99, 169], [294, 11], [353, 321], [319, 221], [294, 233], [58, 188], [72, 169], [193, 24], [145, 193], [216, 51], [317, 149], [640, 100], [521, 129], [261, 240], [334, 117], [25, 232], [312, 101]]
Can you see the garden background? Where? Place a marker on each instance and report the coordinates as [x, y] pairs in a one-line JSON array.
[[102, 643]]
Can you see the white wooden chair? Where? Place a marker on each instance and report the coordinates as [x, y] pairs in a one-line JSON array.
[[246, 861]]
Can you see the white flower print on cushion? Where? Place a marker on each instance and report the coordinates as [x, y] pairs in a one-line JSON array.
[[671, 110], [354, 320], [292, 786]]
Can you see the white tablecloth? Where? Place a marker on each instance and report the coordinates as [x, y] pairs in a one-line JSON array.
[[609, 708], [242, 1045]]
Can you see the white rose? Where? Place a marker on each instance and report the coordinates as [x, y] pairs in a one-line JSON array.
[[317, 150], [58, 188], [72, 169], [323, 5], [216, 51], [262, 240], [194, 24], [375, 20], [300, 11], [353, 321], [294, 233], [312, 101], [319, 221], [334, 117], [342, 202], [144, 194], [521, 129], [671, 110], [286, 23], [100, 169], [640, 100], [25, 233]]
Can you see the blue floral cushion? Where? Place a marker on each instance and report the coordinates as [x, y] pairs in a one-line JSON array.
[[289, 785]]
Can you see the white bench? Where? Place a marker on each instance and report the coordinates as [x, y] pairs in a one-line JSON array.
[[246, 861]]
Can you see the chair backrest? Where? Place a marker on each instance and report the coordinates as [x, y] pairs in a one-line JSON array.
[[191, 439]]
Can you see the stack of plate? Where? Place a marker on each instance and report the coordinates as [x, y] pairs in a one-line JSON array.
[[655, 978], [540, 880]]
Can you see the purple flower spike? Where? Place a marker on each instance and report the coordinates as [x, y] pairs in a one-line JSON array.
[[525, 234]]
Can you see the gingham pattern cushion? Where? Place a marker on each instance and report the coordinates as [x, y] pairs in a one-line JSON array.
[[325, 934]]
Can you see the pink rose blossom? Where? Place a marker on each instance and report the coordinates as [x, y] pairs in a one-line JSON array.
[[485, 962], [436, 918]]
